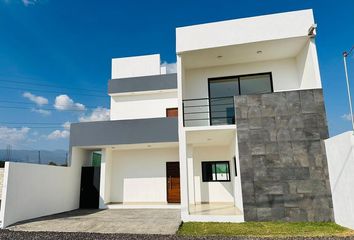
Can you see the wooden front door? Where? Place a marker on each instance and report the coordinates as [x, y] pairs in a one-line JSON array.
[[173, 182]]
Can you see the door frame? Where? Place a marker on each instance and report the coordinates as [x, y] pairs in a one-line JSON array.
[[167, 182]]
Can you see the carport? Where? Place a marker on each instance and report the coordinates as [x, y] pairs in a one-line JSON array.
[[134, 221]]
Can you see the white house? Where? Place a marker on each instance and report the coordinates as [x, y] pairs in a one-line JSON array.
[[235, 135]]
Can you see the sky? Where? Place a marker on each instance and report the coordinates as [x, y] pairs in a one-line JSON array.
[[69, 45]]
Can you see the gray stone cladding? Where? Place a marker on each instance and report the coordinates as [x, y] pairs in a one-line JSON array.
[[283, 162]]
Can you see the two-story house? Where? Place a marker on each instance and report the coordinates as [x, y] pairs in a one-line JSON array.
[[236, 134]]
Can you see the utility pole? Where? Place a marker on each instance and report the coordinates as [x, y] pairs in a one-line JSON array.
[[8, 153], [345, 55]]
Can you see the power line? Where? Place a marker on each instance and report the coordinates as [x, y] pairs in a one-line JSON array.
[[29, 103], [34, 123], [49, 85], [48, 109], [49, 91]]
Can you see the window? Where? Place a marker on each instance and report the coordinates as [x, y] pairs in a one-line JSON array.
[[223, 87], [222, 91], [216, 171], [172, 112], [240, 85], [256, 84]]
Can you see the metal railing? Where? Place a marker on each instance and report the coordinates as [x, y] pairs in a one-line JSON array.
[[208, 111]]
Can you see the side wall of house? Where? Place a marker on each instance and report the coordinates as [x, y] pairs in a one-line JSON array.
[[282, 157], [143, 105], [140, 175], [340, 157], [32, 190]]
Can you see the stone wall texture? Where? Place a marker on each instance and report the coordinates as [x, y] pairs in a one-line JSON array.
[[282, 158]]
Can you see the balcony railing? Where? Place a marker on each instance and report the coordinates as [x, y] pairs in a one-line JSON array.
[[208, 111]]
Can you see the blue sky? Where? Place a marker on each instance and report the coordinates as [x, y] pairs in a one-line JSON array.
[[70, 44]]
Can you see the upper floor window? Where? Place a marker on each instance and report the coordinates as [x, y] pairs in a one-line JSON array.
[[240, 85], [172, 112]]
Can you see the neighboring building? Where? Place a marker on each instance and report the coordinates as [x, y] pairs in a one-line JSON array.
[[235, 135], [248, 141]]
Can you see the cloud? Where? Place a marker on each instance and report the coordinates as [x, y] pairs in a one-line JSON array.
[[64, 102], [66, 125], [60, 134], [41, 111], [346, 117], [39, 100], [29, 2], [170, 67], [98, 114], [57, 134], [13, 135]]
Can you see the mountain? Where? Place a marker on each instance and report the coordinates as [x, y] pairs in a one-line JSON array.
[[30, 156]]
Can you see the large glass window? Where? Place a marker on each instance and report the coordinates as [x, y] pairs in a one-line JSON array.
[[223, 87], [222, 92], [240, 85], [216, 171], [255, 84]]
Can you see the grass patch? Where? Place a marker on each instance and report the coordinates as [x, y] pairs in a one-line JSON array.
[[264, 229]]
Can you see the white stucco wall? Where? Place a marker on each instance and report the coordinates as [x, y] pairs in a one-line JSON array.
[[142, 105], [211, 191], [284, 73], [307, 66], [244, 30], [136, 66], [140, 175], [32, 190], [340, 157]]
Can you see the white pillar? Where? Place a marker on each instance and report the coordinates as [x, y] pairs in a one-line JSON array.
[[233, 173], [182, 144], [237, 186], [105, 179], [190, 168]]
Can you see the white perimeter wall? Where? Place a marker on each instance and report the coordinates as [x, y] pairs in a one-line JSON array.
[[288, 74], [142, 105], [340, 157], [32, 190], [211, 191], [140, 175]]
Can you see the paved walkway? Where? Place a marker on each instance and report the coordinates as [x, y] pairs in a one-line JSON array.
[[134, 221]]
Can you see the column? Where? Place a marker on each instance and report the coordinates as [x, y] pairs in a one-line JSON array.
[[105, 178]]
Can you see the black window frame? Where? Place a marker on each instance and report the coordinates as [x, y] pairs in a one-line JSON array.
[[214, 163], [238, 81], [239, 86]]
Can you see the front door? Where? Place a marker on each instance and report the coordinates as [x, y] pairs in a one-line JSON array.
[[90, 187], [173, 182]]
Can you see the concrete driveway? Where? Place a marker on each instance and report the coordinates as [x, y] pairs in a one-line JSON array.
[[135, 221]]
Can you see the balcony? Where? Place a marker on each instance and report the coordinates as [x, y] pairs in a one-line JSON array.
[[208, 111]]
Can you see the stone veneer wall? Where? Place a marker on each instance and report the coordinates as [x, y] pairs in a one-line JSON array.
[[283, 162]]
